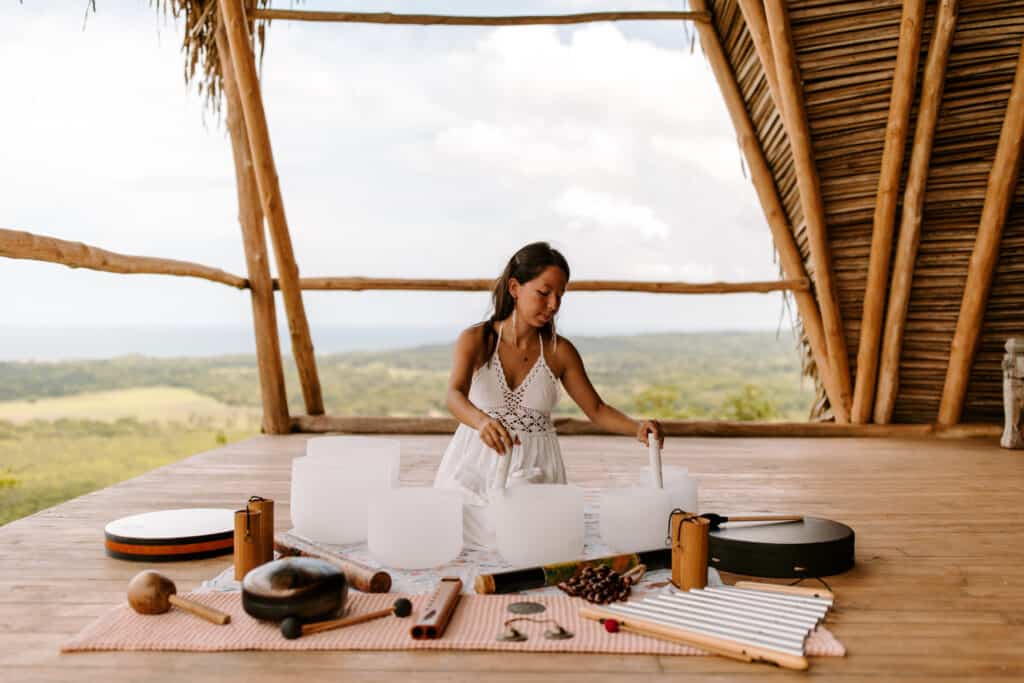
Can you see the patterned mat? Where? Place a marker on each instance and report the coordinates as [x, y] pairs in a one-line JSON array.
[[474, 626]]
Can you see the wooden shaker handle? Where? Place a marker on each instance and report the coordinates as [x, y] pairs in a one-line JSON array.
[[208, 613]]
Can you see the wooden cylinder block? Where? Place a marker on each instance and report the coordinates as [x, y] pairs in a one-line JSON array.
[[248, 542], [689, 550], [265, 508]]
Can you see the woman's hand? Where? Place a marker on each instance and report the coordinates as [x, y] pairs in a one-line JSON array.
[[494, 434], [652, 427]]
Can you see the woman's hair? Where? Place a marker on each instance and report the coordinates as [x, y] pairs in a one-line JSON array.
[[525, 265]]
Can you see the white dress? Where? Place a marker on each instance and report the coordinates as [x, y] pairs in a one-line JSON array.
[[471, 466]]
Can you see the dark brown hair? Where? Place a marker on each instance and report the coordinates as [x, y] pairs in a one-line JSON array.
[[525, 265]]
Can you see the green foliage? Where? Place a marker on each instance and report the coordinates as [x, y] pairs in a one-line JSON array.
[[110, 437], [50, 462], [748, 404]]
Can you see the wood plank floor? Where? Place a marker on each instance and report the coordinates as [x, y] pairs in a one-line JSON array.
[[938, 591]]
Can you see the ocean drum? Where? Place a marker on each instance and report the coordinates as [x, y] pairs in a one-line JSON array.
[[538, 523], [415, 528]]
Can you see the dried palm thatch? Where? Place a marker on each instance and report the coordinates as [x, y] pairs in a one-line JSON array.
[[846, 53], [202, 63]]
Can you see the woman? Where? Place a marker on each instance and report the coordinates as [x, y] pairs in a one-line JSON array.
[[504, 385]]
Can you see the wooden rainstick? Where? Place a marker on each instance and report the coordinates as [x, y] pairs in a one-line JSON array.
[[250, 217], [359, 576], [764, 184], [909, 236], [900, 102], [244, 65], [999, 194], [151, 592]]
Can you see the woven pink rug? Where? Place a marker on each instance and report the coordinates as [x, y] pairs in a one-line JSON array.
[[474, 626]]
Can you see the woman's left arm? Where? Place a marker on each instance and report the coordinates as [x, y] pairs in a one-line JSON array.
[[578, 386]]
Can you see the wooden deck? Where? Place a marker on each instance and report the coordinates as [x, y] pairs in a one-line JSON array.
[[938, 591]]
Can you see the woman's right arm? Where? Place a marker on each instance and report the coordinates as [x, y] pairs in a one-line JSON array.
[[468, 352]]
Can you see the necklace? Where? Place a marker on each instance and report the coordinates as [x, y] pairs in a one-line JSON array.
[[523, 352]]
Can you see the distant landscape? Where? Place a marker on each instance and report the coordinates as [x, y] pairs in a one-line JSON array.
[[69, 427]]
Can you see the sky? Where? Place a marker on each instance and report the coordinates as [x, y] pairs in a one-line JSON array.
[[401, 151]]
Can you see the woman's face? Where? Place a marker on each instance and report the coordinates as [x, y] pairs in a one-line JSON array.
[[538, 300]]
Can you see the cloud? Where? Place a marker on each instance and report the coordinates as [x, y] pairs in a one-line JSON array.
[[588, 210], [419, 152]]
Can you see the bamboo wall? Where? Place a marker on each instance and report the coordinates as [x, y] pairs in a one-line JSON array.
[[846, 52]]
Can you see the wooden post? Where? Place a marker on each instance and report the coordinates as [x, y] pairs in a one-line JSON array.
[[900, 102], [244, 66], [764, 184], [794, 117], [250, 216], [1002, 182], [913, 203], [757, 26]]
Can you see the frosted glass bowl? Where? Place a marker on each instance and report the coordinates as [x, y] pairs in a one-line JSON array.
[[415, 528], [330, 496], [538, 523], [367, 459], [636, 518], [681, 486]]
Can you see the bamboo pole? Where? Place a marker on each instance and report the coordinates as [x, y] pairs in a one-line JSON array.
[[244, 65], [909, 237], [453, 20], [250, 217], [18, 244], [778, 223], [320, 424], [900, 102], [757, 26], [358, 284], [794, 118], [1002, 182]]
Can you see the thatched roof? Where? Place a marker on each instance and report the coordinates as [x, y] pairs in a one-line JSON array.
[[846, 57], [846, 54]]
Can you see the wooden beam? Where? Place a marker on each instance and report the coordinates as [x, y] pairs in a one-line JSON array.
[[792, 261], [452, 20], [764, 184], [757, 27], [1002, 183], [18, 244], [250, 217], [358, 284], [244, 65], [909, 236], [320, 424], [794, 117], [900, 102]]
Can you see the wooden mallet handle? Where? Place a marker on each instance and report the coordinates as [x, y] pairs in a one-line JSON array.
[[319, 626], [200, 610]]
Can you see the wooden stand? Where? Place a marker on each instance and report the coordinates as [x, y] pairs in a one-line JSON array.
[[1013, 394], [248, 542], [265, 508], [689, 550]]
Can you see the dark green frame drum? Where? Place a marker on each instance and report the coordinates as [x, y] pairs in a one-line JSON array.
[[785, 550]]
